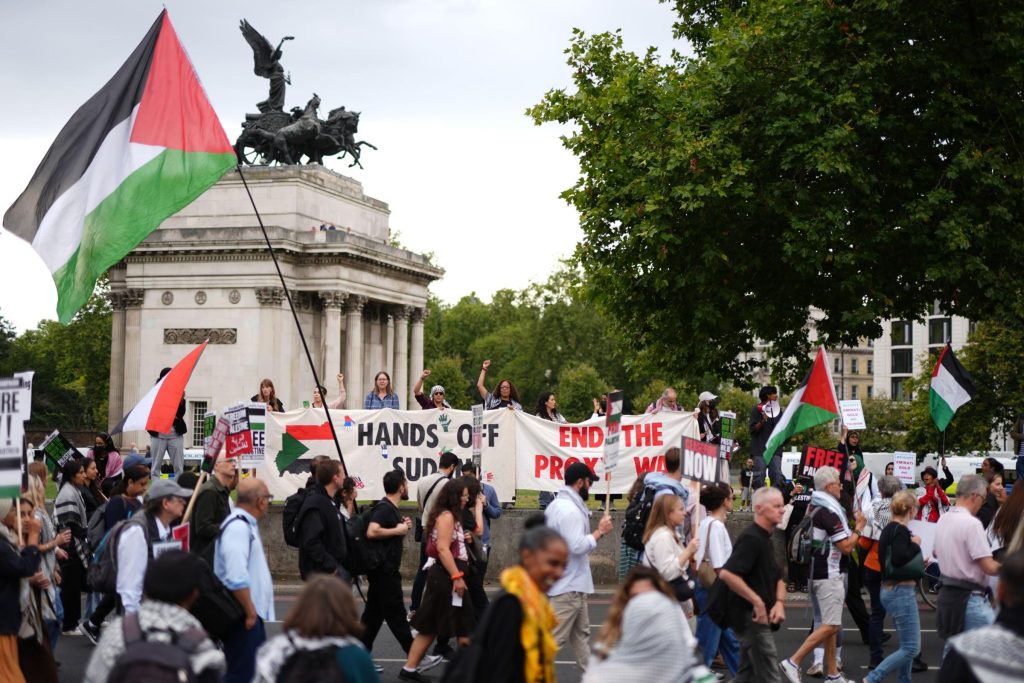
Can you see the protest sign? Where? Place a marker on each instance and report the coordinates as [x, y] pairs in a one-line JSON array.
[[725, 445], [543, 449], [904, 466], [853, 414], [700, 461], [58, 451], [257, 414], [15, 408], [180, 534], [478, 427], [214, 444], [926, 532], [816, 456], [613, 422], [414, 441]]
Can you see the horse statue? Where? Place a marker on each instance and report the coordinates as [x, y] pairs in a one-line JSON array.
[[298, 135], [338, 137]]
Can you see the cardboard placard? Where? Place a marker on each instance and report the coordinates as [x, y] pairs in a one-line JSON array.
[[478, 430], [700, 461], [612, 426], [816, 456], [904, 466], [853, 414]]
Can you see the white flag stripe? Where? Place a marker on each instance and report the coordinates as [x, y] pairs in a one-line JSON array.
[[949, 390]]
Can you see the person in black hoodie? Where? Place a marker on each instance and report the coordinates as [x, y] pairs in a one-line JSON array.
[[996, 651], [172, 442], [322, 536]]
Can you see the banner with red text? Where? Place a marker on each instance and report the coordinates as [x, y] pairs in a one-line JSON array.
[[544, 448], [415, 440]]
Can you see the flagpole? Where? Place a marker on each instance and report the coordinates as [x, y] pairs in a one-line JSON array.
[[295, 315]]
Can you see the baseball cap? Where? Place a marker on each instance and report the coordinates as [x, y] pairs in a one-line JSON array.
[[135, 460], [576, 471], [706, 396], [161, 488]]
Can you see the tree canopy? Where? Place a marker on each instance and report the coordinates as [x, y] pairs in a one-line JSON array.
[[861, 158]]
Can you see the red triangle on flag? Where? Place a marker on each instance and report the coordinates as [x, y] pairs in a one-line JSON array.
[[818, 391]]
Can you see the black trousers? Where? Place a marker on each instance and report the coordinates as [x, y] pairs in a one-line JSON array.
[[107, 604], [855, 601], [385, 603], [71, 586]]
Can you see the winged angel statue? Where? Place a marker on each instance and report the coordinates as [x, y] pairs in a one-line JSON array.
[[267, 64]]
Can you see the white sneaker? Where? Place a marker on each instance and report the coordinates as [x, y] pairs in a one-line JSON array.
[[816, 670], [840, 678], [791, 670], [429, 662]]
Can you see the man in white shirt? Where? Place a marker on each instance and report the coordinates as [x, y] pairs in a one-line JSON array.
[[568, 515], [146, 535]]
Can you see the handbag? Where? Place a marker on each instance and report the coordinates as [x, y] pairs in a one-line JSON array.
[[682, 586], [706, 573], [911, 571]]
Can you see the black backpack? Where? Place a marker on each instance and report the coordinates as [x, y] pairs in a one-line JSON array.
[[311, 666], [145, 661], [363, 555], [637, 512], [102, 572], [290, 516], [800, 550], [96, 528]]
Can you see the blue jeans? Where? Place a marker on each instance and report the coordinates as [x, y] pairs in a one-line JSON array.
[[240, 652], [714, 640], [901, 603], [876, 622], [53, 626], [979, 613]]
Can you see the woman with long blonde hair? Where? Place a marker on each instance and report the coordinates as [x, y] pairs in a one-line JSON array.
[[664, 550]]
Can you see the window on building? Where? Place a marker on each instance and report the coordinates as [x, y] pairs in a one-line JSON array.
[[837, 365], [898, 389], [855, 391], [902, 333], [871, 367], [871, 343], [198, 413], [902, 362], [971, 327], [871, 391], [854, 366], [939, 331]]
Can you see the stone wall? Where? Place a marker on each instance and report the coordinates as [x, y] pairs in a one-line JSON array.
[[505, 533]]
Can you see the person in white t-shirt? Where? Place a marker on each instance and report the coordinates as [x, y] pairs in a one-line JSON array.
[[716, 546]]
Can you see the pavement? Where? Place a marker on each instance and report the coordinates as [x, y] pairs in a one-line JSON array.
[[73, 651]]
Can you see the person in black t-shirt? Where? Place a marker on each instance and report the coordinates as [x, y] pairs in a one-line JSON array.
[[757, 605], [384, 600]]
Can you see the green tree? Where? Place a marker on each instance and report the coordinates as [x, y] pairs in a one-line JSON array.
[[459, 391], [886, 421], [787, 164], [578, 386]]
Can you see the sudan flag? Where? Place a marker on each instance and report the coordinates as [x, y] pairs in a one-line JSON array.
[[813, 403], [952, 387], [157, 409], [138, 151]]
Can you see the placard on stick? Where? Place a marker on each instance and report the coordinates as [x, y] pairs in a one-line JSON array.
[[903, 466], [700, 461], [853, 414], [613, 423], [816, 456], [478, 431], [15, 408]]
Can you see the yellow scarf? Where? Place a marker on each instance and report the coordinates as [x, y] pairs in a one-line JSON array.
[[538, 622]]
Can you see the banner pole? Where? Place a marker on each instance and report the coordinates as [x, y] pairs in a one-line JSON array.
[[295, 315], [192, 500]]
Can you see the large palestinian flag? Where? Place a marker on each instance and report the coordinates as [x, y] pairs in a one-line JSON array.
[[139, 150], [812, 404], [952, 387], [157, 409]]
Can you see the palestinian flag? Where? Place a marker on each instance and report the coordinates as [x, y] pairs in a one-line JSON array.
[[813, 403], [952, 387], [138, 151], [156, 411]]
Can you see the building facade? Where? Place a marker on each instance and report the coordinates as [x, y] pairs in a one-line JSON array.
[[906, 344], [207, 273]]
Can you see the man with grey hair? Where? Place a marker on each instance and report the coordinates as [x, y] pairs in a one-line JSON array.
[[667, 402], [831, 542], [965, 560], [758, 593]]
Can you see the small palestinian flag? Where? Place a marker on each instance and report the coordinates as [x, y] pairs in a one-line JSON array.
[[952, 387], [813, 403], [156, 411], [141, 149]]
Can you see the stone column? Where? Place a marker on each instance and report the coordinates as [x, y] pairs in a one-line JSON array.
[[268, 352], [401, 316], [134, 385], [115, 408], [416, 345], [375, 343], [389, 340], [354, 350], [333, 302]]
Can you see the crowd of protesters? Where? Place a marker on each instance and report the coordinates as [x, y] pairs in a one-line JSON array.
[[108, 565]]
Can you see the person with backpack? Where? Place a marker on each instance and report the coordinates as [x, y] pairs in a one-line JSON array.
[[164, 642], [293, 504], [212, 506], [322, 546], [831, 541], [569, 516], [134, 540], [656, 484], [385, 534], [319, 639], [124, 502], [515, 641], [241, 565]]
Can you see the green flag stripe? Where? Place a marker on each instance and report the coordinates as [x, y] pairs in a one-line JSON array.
[[157, 190], [942, 413], [805, 417]]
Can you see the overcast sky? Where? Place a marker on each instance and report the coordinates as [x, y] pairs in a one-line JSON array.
[[442, 86]]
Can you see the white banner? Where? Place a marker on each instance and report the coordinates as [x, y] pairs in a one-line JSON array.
[[544, 448], [414, 441]]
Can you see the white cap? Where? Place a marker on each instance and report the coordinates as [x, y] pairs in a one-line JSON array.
[[706, 396]]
